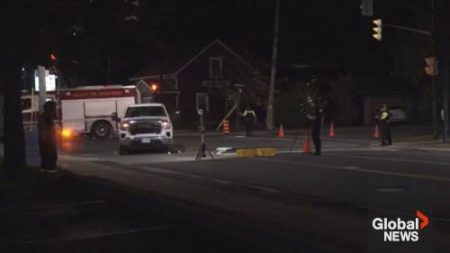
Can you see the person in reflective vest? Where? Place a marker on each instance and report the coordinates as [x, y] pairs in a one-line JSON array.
[[47, 137], [384, 120], [249, 116]]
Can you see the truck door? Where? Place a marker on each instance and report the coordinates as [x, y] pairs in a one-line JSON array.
[[73, 115], [122, 105]]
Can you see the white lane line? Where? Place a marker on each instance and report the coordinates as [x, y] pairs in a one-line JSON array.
[[404, 213], [216, 180], [359, 169], [95, 235], [327, 150], [399, 160], [389, 189], [60, 206]]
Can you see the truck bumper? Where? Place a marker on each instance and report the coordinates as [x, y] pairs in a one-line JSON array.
[[144, 141]]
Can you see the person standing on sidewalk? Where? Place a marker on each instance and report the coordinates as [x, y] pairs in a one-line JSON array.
[[249, 116], [384, 120], [47, 137]]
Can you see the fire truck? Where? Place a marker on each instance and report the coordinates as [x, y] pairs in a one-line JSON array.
[[85, 110]]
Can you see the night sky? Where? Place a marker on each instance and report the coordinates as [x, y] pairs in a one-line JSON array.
[[90, 34]]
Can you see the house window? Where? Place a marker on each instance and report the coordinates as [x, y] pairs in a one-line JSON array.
[[215, 67]]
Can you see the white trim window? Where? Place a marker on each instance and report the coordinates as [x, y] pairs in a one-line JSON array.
[[215, 67]]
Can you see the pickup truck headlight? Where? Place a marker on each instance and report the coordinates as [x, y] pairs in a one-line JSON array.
[[166, 124], [124, 125]]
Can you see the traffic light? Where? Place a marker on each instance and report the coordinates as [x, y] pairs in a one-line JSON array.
[[53, 57], [431, 67], [378, 29]]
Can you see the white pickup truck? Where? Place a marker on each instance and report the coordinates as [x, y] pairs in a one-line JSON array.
[[144, 126]]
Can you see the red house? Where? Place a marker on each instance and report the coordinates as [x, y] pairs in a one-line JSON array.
[[216, 78]]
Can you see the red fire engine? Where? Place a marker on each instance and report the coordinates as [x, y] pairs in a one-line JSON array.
[[85, 110]]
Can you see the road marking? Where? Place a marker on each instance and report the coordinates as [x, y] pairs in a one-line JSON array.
[[399, 160], [206, 178], [94, 235], [328, 150], [359, 169], [74, 204], [403, 213], [389, 189]]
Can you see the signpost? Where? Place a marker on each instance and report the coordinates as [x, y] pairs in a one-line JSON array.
[[42, 89], [30, 130]]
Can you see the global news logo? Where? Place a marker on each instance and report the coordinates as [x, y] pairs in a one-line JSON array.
[[399, 230]]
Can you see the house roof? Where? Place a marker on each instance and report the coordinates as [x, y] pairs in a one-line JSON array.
[[176, 66]]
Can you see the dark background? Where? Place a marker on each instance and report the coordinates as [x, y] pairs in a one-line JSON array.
[[95, 43]]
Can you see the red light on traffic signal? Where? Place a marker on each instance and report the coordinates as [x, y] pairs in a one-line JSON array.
[[53, 57]]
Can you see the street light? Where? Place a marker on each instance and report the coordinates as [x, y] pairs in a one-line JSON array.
[[378, 29], [154, 87]]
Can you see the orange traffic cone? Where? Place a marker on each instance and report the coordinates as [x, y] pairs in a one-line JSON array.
[[226, 127], [281, 132], [307, 145], [331, 133], [376, 133]]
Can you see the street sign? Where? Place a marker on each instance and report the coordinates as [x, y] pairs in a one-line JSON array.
[[367, 8], [202, 102]]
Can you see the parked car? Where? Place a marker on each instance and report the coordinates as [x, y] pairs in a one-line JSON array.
[[144, 126]]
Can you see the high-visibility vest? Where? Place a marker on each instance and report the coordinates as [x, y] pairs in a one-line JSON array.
[[246, 112]]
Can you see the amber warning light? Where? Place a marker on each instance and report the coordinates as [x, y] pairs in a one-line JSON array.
[[66, 133]]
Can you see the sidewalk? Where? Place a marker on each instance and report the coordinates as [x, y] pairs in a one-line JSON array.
[[422, 143]]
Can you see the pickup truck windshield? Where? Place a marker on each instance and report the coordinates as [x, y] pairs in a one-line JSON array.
[[148, 111]]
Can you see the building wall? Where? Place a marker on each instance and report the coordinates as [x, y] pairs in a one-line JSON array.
[[191, 82]]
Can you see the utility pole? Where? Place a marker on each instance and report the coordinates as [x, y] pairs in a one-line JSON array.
[[433, 77], [445, 79], [108, 75], [273, 75]]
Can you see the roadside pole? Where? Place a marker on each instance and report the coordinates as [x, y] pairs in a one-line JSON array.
[[434, 107], [202, 148], [31, 134], [273, 75], [42, 90], [445, 80]]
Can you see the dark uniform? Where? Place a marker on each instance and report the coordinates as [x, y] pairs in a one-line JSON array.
[[384, 120], [315, 118], [249, 120], [47, 137]]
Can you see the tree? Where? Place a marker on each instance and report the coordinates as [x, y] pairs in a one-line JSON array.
[[14, 149]]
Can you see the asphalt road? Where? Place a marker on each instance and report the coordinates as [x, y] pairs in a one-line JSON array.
[[51, 213], [321, 203]]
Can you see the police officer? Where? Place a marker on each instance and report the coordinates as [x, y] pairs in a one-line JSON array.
[[315, 117], [249, 116], [384, 120], [47, 137]]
